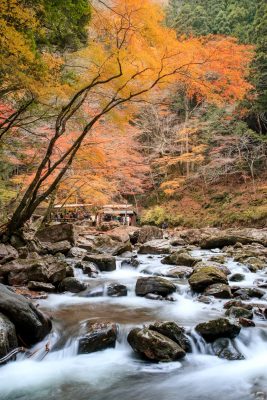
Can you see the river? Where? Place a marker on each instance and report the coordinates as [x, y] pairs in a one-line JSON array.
[[118, 374]]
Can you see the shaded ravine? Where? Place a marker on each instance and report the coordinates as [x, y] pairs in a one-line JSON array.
[[117, 373]]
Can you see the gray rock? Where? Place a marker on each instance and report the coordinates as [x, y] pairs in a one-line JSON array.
[[103, 262], [217, 328], [47, 269], [180, 258], [236, 277], [31, 325], [154, 284], [57, 233], [100, 336], [225, 348], [72, 285], [148, 232], [7, 253], [206, 276], [218, 290], [154, 346], [77, 252], [58, 247], [45, 287], [237, 312], [172, 331], [157, 246], [116, 290], [8, 338], [246, 293]]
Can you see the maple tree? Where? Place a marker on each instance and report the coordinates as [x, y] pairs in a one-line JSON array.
[[131, 52]]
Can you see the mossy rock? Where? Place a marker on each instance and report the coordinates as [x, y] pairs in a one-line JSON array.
[[218, 328], [206, 276]]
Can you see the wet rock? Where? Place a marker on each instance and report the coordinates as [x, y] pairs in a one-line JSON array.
[[89, 268], [106, 245], [218, 290], [41, 286], [8, 338], [230, 238], [218, 259], [159, 246], [237, 312], [103, 262], [237, 303], [237, 277], [246, 293], [178, 272], [7, 253], [72, 285], [246, 323], [204, 299], [225, 348], [47, 269], [76, 252], [206, 276], [57, 233], [172, 331], [69, 271], [148, 233], [31, 325], [180, 258], [154, 284], [133, 262], [255, 264], [116, 290], [100, 336], [154, 346], [220, 267], [218, 328], [57, 247]]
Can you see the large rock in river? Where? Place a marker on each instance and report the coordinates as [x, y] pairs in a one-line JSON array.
[[103, 262], [172, 331], [7, 253], [180, 258], [157, 246], [206, 276], [218, 290], [218, 328], [148, 232], [31, 325], [154, 346], [57, 233], [8, 338], [72, 285], [100, 336], [154, 284], [39, 269]]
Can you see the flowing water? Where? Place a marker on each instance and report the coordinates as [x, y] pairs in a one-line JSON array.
[[62, 374]]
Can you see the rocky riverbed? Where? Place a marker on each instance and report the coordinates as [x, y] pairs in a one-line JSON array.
[[134, 314]]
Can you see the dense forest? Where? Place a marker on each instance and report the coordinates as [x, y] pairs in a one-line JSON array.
[[189, 147]]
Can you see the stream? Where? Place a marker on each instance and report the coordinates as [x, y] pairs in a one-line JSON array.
[[62, 374]]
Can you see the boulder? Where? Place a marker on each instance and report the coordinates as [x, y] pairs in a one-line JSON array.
[[148, 233], [172, 331], [90, 269], [237, 277], [69, 271], [178, 272], [7, 253], [8, 338], [103, 262], [206, 276], [132, 262], [116, 290], [100, 336], [157, 246], [222, 240], [40, 269], [41, 286], [220, 267], [180, 258], [104, 244], [58, 247], [225, 348], [77, 252], [154, 346], [237, 312], [246, 293], [72, 285], [57, 233], [237, 303], [154, 284], [123, 233], [218, 328], [31, 325], [246, 323], [218, 290]]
